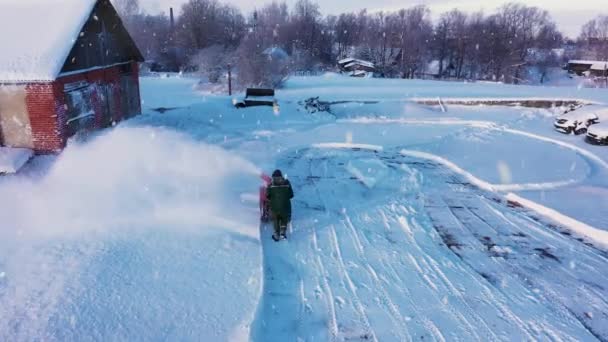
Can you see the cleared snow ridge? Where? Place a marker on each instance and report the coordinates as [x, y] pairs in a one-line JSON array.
[[597, 235]]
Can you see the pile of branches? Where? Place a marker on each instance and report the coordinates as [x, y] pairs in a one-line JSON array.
[[314, 105]]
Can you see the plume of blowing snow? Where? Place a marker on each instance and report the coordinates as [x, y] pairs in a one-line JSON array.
[[124, 181], [126, 178]]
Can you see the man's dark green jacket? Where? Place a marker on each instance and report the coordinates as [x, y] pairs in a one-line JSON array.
[[279, 194]]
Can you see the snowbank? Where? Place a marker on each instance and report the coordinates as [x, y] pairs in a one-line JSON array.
[[597, 235], [142, 175], [583, 152], [349, 145], [468, 176], [484, 184], [135, 226], [439, 121], [12, 159]]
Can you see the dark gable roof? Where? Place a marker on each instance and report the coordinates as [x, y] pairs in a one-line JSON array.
[[103, 41], [38, 36]]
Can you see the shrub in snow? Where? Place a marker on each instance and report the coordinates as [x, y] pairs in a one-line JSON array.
[[213, 62], [313, 105]]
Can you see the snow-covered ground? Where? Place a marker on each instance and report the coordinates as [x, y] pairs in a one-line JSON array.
[[12, 159], [403, 224]]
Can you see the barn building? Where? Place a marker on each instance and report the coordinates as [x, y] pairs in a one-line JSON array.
[[580, 67], [356, 66], [599, 69], [65, 66]]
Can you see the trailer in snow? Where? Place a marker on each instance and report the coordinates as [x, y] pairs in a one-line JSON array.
[[257, 97]]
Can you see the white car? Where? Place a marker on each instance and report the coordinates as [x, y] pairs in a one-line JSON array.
[[598, 134], [579, 120]]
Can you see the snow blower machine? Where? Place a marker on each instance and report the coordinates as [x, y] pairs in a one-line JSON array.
[[265, 214]]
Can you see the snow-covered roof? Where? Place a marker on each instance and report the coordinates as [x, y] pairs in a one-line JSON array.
[[599, 66], [600, 129], [345, 60], [588, 112], [359, 62], [580, 61], [579, 116], [37, 36], [350, 62]]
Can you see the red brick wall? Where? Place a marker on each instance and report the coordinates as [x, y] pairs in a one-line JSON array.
[[47, 108], [44, 111]]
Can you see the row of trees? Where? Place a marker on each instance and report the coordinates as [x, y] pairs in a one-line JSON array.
[[501, 46], [594, 38]]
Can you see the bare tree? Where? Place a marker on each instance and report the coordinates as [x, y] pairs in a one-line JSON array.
[[414, 34], [272, 25], [346, 34], [213, 61], [594, 37], [207, 22], [129, 12], [517, 30], [500, 46], [127, 8], [305, 33], [260, 67]]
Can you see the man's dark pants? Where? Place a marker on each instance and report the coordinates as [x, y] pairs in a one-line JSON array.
[[280, 223]]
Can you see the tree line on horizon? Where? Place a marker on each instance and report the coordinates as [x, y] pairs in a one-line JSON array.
[[209, 36]]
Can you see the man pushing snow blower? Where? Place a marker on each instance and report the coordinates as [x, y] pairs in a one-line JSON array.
[[279, 194]]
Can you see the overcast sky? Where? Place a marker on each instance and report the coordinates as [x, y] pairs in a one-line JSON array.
[[569, 15]]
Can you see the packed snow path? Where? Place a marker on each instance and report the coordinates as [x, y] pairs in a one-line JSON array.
[[413, 253]]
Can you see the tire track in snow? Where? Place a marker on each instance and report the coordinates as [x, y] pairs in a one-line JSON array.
[[389, 306], [332, 324], [499, 304], [351, 286], [454, 314], [506, 312], [423, 273], [394, 314], [461, 305], [467, 215], [595, 234], [589, 294], [478, 320], [355, 300]]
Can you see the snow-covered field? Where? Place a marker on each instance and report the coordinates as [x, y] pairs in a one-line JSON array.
[[477, 223]]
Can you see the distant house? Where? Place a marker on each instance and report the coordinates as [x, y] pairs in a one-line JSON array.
[[599, 69], [355, 66], [65, 66], [580, 67]]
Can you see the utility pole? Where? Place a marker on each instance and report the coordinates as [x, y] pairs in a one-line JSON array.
[[229, 79], [606, 75]]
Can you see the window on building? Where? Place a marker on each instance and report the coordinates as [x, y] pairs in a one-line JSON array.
[[80, 111]]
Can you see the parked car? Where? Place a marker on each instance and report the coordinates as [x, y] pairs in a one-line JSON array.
[[598, 134], [579, 120]]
